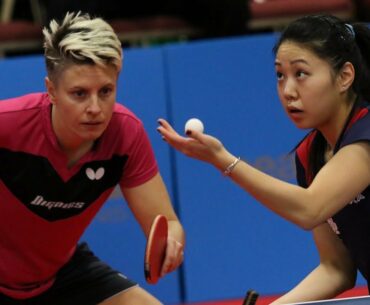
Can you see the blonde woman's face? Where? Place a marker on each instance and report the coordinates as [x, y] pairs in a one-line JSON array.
[[83, 98]]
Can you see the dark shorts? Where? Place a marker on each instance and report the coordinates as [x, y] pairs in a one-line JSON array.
[[85, 279]]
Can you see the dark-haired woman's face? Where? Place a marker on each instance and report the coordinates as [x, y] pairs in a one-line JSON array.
[[306, 86]]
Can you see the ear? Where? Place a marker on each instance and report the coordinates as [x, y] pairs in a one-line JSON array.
[[346, 77], [50, 87]]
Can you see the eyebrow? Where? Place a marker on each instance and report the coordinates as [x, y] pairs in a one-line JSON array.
[[83, 86], [292, 62]]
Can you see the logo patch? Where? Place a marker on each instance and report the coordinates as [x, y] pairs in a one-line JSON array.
[[358, 198], [95, 175], [333, 226]]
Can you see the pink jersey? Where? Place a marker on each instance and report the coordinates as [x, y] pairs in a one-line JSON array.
[[46, 206]]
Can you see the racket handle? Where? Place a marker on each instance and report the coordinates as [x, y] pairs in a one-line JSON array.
[[250, 298]]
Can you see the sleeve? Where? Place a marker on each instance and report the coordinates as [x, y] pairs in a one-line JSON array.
[[141, 165]]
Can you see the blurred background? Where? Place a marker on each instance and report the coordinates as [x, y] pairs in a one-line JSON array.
[[210, 59], [145, 22]]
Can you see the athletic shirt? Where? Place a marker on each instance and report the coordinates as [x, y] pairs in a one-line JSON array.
[[352, 223], [46, 206]]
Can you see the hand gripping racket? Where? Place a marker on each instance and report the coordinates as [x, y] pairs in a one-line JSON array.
[[155, 251]]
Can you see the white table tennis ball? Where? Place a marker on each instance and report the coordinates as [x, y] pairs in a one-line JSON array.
[[194, 124]]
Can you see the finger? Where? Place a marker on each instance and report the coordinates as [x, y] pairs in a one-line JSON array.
[[179, 256], [168, 132], [165, 267], [163, 123], [172, 264], [168, 264], [173, 138], [174, 256]]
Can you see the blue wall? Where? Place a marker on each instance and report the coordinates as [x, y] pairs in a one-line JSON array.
[[233, 243]]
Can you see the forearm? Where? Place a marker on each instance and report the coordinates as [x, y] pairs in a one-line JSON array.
[[288, 200], [338, 182], [321, 283]]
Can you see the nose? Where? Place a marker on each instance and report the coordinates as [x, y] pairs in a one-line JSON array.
[[289, 90], [93, 106]]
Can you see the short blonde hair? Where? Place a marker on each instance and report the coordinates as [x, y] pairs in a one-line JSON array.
[[80, 39]]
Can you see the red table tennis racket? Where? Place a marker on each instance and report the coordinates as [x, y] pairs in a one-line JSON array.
[[155, 251]]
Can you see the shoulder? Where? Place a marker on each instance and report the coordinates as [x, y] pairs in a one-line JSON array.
[[123, 115], [358, 128], [22, 103], [125, 128], [22, 115]]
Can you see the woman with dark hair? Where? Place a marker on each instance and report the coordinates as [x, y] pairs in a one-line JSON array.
[[322, 68]]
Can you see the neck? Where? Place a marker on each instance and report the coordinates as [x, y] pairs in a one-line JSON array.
[[73, 155], [73, 147]]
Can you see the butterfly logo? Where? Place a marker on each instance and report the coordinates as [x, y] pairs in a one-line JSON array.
[[95, 175]]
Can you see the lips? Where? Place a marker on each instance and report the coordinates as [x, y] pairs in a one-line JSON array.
[[92, 123], [294, 111]]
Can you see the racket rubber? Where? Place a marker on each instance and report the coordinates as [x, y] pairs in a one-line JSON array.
[[155, 249]]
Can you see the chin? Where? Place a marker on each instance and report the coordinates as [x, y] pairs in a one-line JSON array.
[[92, 136], [302, 125]]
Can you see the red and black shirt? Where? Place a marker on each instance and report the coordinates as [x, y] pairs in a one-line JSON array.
[[46, 206]]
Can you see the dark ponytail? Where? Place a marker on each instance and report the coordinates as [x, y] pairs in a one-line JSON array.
[[362, 38]]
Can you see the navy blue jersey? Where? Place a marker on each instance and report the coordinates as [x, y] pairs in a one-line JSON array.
[[352, 223]]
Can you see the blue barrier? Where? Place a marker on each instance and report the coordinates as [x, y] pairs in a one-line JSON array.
[[234, 243]]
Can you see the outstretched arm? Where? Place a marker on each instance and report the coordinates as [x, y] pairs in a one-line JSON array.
[[345, 176]]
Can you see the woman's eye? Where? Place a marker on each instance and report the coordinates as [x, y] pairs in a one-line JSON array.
[[279, 75], [301, 74], [79, 93], [106, 91]]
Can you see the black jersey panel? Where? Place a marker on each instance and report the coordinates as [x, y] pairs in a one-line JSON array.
[[36, 184], [354, 227], [300, 172], [360, 131]]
